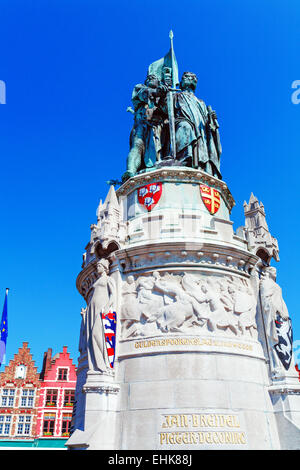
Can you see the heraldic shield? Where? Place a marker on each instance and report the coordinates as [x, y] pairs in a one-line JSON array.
[[284, 347], [109, 321], [211, 198], [149, 195]]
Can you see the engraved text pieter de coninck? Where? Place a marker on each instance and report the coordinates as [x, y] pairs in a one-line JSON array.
[[201, 429]]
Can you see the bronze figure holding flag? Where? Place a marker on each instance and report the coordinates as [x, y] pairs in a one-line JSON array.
[[171, 125]]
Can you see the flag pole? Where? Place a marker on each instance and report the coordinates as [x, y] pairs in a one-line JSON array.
[[3, 329], [170, 102]]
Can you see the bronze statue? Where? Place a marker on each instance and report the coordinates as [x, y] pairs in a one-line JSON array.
[[171, 125]]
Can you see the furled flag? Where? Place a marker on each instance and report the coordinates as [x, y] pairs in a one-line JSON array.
[[3, 331], [169, 61]]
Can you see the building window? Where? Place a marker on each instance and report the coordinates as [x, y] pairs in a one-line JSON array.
[[24, 426], [69, 398], [62, 374], [5, 423], [8, 397], [27, 398], [66, 424], [20, 372], [51, 397], [49, 423]]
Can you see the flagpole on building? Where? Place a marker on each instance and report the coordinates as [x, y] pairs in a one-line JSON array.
[[3, 329]]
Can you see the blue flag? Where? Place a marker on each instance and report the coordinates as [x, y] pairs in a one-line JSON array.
[[3, 331]]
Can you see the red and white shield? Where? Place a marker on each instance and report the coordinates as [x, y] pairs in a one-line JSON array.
[[109, 321], [149, 195], [211, 198]]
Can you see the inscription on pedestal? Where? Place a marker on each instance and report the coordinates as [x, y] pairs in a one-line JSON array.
[[192, 342], [208, 430]]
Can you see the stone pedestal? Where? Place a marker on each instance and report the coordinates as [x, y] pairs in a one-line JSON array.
[[192, 366]]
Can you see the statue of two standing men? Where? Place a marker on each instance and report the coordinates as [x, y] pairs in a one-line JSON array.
[[197, 137]]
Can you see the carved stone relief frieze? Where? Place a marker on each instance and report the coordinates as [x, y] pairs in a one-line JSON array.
[[189, 303]]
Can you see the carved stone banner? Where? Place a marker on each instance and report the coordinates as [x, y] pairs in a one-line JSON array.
[[109, 321]]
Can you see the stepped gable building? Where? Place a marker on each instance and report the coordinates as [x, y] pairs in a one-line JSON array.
[[19, 396], [57, 392], [36, 408]]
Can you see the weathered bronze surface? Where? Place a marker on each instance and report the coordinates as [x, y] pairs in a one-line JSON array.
[[171, 125]]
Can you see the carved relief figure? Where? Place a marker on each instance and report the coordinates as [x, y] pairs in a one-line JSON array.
[[245, 309], [130, 311], [209, 307], [240, 301], [177, 308], [173, 303], [102, 301], [217, 316], [150, 301]]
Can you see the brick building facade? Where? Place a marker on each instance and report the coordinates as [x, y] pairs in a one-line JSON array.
[[19, 396], [57, 394]]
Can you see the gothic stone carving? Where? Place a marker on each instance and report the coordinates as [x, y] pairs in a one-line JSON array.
[[257, 231], [102, 300]]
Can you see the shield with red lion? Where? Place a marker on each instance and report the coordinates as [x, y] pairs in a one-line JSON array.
[[211, 198], [149, 195]]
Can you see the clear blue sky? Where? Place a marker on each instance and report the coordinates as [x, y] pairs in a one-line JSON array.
[[69, 68]]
